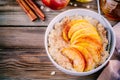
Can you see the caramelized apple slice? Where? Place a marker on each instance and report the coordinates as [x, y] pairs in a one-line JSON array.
[[65, 32], [91, 39], [90, 64], [75, 56], [83, 32], [66, 29], [77, 26], [92, 50]]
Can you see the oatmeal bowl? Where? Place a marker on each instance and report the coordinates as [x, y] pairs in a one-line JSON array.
[[79, 42]]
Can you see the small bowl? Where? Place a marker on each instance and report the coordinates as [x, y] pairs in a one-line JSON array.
[[82, 12]]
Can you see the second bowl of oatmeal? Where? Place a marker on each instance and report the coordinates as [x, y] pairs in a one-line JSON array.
[[79, 42]]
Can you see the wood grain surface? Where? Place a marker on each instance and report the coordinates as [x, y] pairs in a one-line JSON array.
[[23, 56], [15, 16], [22, 37], [22, 51], [32, 64], [11, 14]]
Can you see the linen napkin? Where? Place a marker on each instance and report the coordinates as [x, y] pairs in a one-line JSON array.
[[117, 33], [112, 70]]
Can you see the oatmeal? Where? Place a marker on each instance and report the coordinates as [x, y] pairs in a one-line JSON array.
[[75, 51]]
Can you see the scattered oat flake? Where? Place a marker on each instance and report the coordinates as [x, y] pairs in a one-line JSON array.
[[52, 73], [88, 6], [42, 7], [75, 5], [71, 3], [47, 9]]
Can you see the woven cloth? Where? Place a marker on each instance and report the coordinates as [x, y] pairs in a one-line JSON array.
[[112, 70]]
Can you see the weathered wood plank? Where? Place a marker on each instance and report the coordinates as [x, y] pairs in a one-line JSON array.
[[12, 14], [24, 56], [32, 64], [22, 37]]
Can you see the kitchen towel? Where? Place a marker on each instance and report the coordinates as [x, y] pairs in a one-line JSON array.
[[117, 33], [112, 70]]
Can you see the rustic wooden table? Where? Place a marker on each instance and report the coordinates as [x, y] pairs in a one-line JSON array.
[[22, 52]]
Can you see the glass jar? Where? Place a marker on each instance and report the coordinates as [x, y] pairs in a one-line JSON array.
[[111, 9]]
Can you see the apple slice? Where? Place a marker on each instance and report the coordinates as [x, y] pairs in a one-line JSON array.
[[66, 29], [90, 64], [83, 32], [91, 39], [92, 50], [77, 26], [75, 56]]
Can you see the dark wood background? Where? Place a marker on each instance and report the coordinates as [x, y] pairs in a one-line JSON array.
[[22, 51]]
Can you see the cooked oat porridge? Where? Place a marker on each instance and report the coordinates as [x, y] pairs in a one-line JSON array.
[[78, 43]]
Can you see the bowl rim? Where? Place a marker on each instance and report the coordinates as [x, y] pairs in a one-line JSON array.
[[105, 22]]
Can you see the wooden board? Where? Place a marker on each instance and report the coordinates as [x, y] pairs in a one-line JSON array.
[[22, 37], [22, 51], [23, 55], [32, 64], [12, 14]]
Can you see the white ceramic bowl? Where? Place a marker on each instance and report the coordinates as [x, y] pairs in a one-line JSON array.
[[82, 12]]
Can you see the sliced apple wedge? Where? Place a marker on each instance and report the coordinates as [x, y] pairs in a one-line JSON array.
[[65, 32], [67, 27], [92, 50], [90, 64], [91, 39], [76, 57], [80, 25], [83, 32], [77, 26]]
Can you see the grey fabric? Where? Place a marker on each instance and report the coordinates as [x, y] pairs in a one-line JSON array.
[[117, 33]]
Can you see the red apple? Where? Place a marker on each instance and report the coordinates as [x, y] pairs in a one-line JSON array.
[[56, 4]]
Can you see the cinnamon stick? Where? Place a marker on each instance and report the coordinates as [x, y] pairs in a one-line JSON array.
[[27, 9], [36, 9]]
